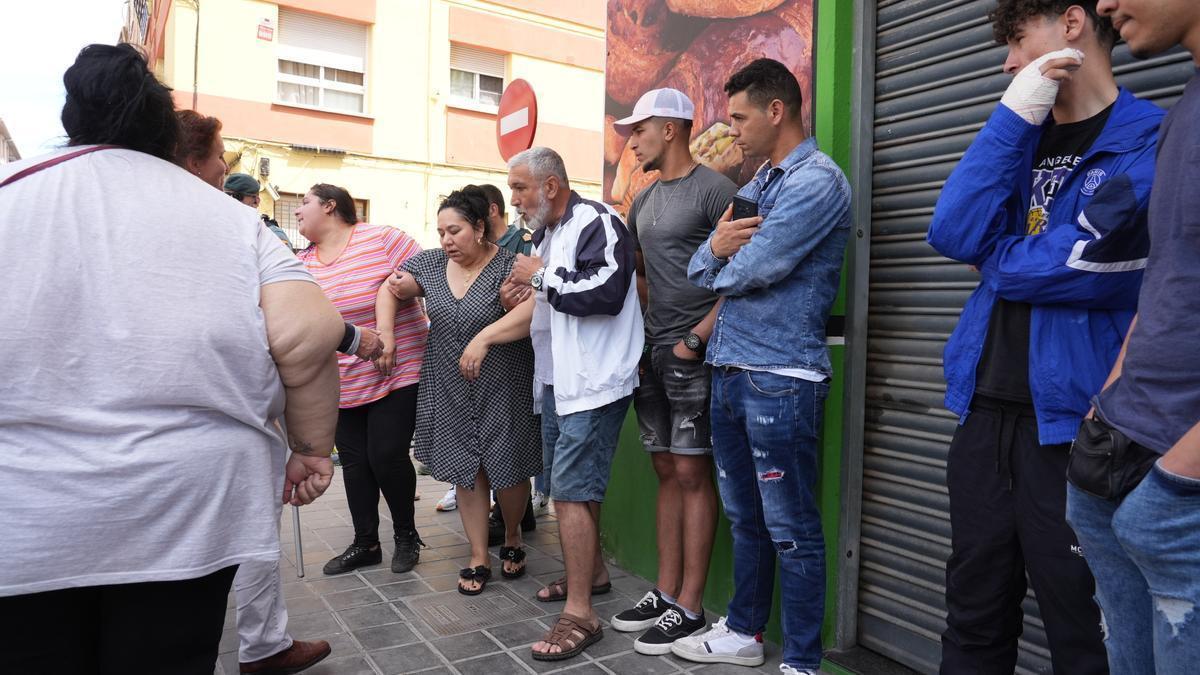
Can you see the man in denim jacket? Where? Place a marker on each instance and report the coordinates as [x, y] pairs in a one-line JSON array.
[[778, 274], [1049, 203]]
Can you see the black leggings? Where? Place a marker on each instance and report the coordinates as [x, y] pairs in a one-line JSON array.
[[156, 628], [373, 442]]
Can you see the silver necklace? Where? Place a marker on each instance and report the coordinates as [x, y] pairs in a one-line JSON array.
[[656, 213]]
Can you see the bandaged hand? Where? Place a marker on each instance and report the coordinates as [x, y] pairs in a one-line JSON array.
[[1033, 90]]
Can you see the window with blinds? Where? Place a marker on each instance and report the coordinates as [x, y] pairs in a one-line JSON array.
[[322, 63], [476, 76]]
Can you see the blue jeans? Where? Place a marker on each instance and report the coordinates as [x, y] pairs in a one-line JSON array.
[[764, 429], [1145, 555], [578, 449]]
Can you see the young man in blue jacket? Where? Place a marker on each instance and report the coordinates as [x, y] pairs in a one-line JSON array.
[[1049, 204]]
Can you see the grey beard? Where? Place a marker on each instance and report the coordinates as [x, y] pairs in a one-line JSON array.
[[540, 215]]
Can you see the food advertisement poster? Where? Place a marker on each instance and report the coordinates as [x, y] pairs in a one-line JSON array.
[[694, 46]]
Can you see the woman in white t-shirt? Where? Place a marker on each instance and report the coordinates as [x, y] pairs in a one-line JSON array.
[[149, 345]]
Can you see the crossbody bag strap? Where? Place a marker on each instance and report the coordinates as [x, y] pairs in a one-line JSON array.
[[30, 170]]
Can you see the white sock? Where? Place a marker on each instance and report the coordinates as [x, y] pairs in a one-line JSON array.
[[688, 613], [666, 598]]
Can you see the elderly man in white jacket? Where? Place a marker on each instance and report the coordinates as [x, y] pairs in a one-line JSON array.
[[581, 310]]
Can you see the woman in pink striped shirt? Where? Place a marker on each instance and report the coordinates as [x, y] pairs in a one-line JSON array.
[[351, 260]]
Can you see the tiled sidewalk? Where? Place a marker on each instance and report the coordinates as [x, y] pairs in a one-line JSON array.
[[373, 620]]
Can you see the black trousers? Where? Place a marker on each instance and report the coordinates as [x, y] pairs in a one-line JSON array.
[[155, 628], [373, 443], [1008, 519]]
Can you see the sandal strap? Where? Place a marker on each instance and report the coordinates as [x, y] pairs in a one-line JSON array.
[[513, 554], [569, 629], [471, 573]]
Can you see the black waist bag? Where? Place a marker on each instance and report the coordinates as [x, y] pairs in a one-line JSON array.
[[1105, 463]]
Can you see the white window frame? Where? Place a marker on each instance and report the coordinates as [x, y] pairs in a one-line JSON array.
[[306, 51], [321, 84], [461, 59]]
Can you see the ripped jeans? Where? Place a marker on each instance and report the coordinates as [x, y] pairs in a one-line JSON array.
[[765, 429], [1145, 555]]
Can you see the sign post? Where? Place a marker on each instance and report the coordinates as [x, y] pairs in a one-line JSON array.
[[516, 121]]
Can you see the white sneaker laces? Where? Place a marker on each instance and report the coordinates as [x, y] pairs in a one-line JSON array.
[[670, 619], [648, 600]]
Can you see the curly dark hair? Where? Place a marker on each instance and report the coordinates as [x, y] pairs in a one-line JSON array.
[[112, 97], [471, 202], [1008, 16], [198, 134]]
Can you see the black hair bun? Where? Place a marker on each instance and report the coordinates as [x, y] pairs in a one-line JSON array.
[[113, 98]]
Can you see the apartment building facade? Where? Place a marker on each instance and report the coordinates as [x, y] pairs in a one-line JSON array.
[[8, 149], [395, 100]]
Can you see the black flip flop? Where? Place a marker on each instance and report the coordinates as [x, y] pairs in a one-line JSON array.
[[481, 574], [514, 555]]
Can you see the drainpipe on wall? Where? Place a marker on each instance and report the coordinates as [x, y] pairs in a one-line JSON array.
[[195, 5]]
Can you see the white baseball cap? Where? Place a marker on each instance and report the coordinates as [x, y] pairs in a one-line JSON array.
[[657, 103]]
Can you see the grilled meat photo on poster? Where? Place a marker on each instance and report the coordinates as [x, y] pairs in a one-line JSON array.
[[694, 46]]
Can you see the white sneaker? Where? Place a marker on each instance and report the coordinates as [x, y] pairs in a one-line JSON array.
[[788, 670], [541, 503], [720, 645], [449, 501]]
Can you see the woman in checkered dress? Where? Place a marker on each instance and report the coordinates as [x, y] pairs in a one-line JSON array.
[[478, 434]]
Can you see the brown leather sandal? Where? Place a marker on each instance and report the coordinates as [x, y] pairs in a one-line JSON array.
[[558, 590], [572, 635]]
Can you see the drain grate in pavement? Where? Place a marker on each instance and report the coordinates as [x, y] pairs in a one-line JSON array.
[[452, 613]]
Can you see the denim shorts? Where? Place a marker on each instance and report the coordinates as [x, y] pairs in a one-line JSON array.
[[672, 403], [577, 449]]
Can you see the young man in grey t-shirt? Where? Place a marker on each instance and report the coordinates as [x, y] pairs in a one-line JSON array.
[[669, 220]]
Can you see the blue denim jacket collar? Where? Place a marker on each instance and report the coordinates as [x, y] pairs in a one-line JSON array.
[[768, 173]]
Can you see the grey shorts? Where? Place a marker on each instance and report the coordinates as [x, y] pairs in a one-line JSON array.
[[672, 403]]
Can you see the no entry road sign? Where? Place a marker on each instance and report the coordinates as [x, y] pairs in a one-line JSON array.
[[516, 122]]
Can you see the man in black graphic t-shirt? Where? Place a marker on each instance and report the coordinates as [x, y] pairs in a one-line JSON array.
[[1004, 366], [1048, 203]]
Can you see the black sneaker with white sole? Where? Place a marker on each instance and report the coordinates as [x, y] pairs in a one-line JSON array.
[[642, 615], [671, 626]]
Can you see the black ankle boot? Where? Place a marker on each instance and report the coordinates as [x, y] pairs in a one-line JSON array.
[[408, 552], [496, 524]]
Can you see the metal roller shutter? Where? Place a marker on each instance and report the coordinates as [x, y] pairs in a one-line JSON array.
[[938, 76]]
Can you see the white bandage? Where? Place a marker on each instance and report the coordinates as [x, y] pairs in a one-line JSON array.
[[1031, 94]]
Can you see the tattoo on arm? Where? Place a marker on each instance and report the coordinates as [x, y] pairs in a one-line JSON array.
[[302, 447]]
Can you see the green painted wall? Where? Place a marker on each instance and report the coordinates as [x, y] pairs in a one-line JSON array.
[[627, 526]]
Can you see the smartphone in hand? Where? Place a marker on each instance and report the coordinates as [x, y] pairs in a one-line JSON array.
[[743, 208]]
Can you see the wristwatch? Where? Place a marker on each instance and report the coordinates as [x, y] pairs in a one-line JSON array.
[[694, 343], [536, 279]]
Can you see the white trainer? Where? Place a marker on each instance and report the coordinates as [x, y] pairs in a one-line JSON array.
[[449, 501], [720, 645], [541, 503], [789, 670]]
